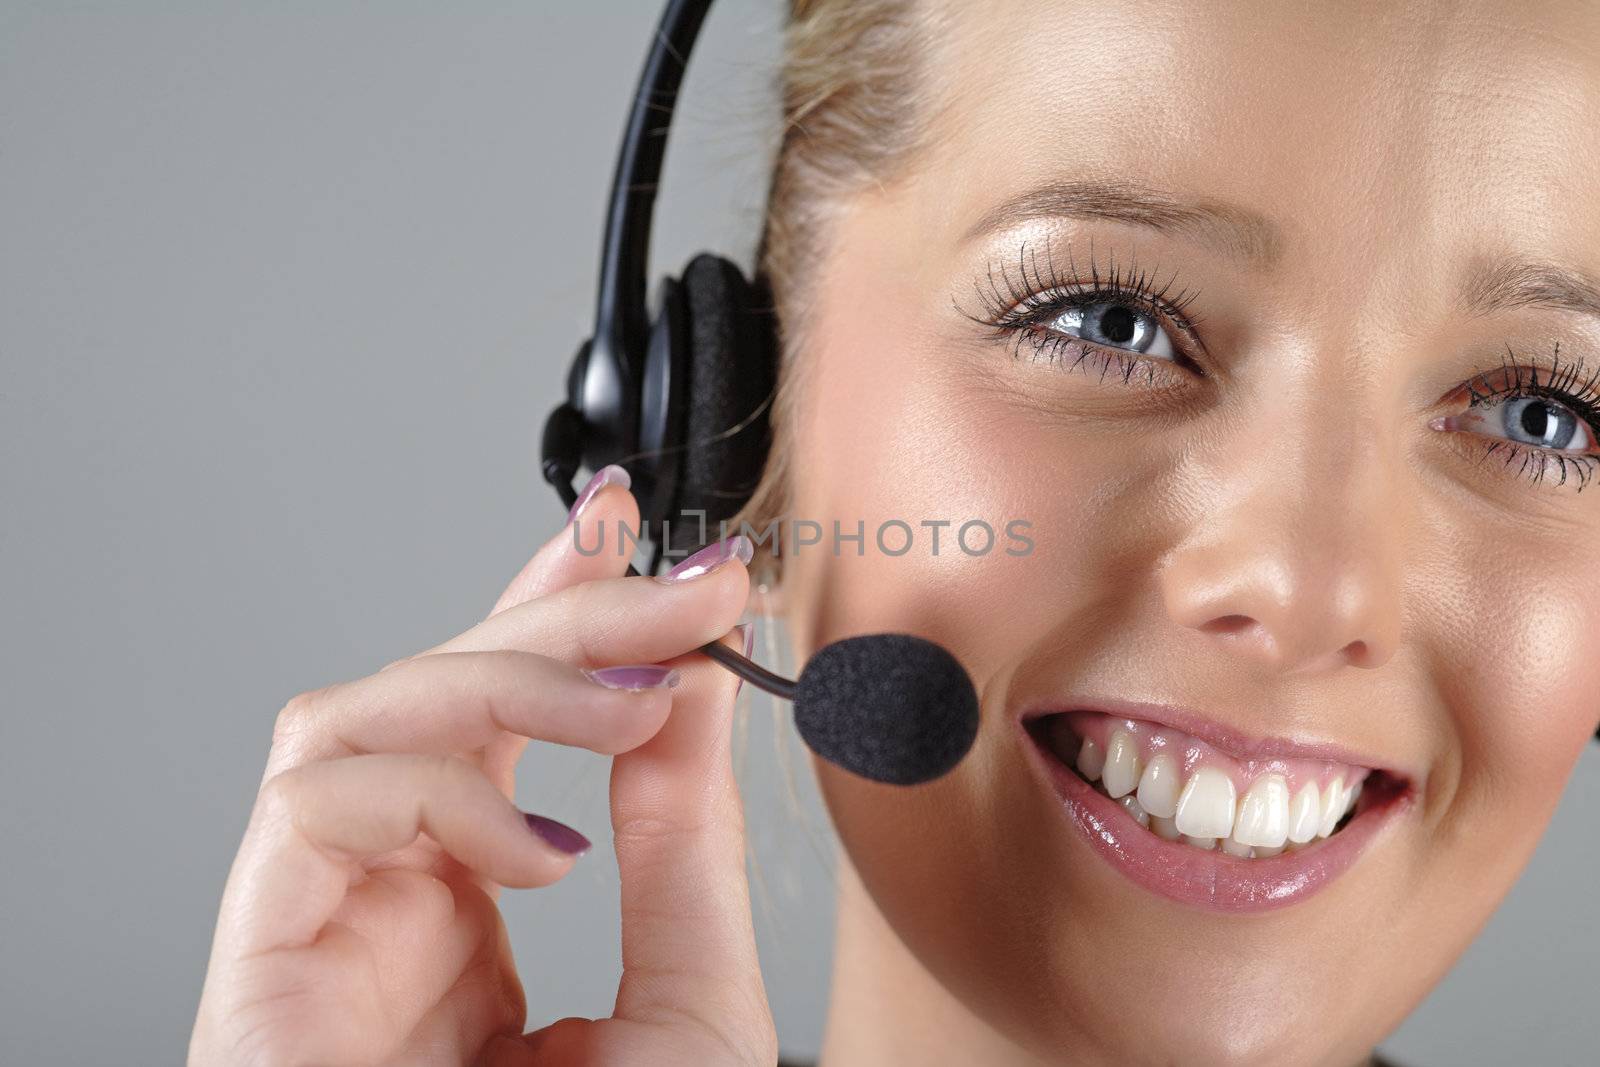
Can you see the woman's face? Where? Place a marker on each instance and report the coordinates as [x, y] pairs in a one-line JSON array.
[[1294, 384]]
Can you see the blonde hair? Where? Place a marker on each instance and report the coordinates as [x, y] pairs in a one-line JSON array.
[[855, 102]]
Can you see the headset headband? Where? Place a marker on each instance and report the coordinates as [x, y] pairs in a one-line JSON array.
[[604, 384]]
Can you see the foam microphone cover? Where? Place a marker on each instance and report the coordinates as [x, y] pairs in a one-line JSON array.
[[890, 707]]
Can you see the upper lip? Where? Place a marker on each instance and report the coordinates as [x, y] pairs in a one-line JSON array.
[[1224, 738]]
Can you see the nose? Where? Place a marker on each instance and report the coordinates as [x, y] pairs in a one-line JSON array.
[[1297, 568]]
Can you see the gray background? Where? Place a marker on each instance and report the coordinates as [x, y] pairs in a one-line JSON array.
[[284, 293]]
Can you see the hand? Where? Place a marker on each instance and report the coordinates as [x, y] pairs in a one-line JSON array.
[[358, 925]]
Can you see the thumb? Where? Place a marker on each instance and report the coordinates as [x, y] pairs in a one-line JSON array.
[[688, 944]]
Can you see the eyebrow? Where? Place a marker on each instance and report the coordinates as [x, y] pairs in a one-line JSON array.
[[1489, 286], [1234, 229], [1518, 282]]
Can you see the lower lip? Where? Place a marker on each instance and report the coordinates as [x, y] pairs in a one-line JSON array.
[[1211, 880]]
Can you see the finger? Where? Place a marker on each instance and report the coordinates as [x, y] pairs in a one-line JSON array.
[[464, 1020], [313, 826], [688, 944], [385, 967], [462, 701], [440, 956], [597, 624], [623, 620], [604, 508], [564, 561]]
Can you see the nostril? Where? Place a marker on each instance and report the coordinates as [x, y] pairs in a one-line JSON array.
[[1230, 624], [1245, 634]]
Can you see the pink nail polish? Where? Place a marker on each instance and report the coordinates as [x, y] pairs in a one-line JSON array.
[[645, 676], [610, 474], [708, 559]]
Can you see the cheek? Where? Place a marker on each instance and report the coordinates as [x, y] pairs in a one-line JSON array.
[[1523, 681], [899, 436], [894, 431]]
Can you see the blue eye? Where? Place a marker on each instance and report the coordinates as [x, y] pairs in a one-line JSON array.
[[1114, 325], [1537, 421], [1540, 421]]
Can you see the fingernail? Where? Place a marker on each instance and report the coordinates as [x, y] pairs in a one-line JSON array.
[[647, 676], [710, 558], [611, 474], [558, 834]]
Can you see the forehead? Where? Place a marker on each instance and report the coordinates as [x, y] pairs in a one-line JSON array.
[[1451, 128]]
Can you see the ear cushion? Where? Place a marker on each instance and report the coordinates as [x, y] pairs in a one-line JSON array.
[[732, 372]]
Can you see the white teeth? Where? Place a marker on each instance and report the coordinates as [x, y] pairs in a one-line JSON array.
[[1131, 804], [1264, 812], [1122, 766], [1205, 811], [1159, 786], [1305, 814], [1090, 760], [1332, 807], [1206, 806], [1164, 827], [1235, 848]]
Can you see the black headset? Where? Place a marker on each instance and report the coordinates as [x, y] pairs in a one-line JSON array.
[[679, 399]]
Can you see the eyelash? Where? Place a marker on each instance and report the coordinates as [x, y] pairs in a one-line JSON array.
[[1018, 310], [1561, 382]]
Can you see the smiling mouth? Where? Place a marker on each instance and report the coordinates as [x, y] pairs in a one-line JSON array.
[[1203, 826]]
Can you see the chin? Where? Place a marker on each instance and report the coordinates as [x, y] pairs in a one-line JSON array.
[[1085, 931]]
